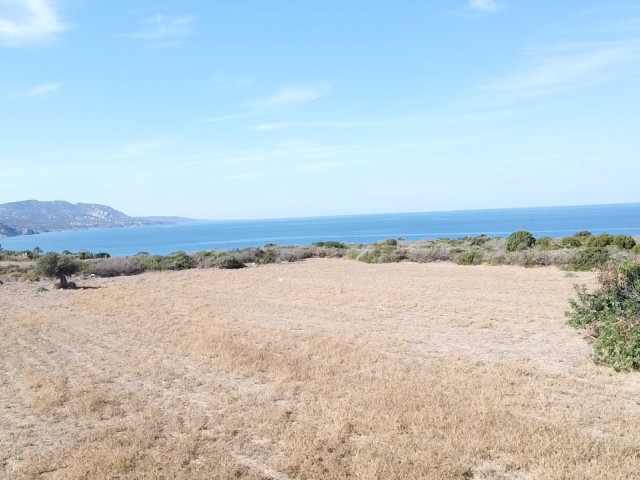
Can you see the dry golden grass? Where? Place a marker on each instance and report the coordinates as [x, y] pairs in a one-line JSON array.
[[321, 369]]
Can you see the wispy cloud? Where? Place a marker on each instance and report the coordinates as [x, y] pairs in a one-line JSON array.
[[292, 95], [43, 90], [484, 5], [566, 67], [24, 22], [224, 81], [165, 30], [143, 148]]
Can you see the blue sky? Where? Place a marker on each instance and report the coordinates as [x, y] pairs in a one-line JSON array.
[[254, 109]]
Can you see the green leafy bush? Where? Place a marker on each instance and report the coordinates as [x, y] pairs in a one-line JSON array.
[[382, 252], [602, 240], [625, 242], [618, 345], [330, 244], [588, 259], [478, 240], [583, 234], [174, 261], [520, 240], [571, 242], [636, 249], [57, 265], [613, 313], [472, 257], [546, 243]]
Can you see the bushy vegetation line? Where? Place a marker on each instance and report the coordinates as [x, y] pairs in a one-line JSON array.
[[612, 313], [581, 251]]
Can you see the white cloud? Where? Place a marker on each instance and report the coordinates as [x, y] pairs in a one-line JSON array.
[[38, 91], [165, 30], [291, 95], [143, 148], [484, 5], [567, 67], [28, 21], [224, 81]]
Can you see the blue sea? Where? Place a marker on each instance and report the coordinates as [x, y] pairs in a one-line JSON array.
[[192, 237]]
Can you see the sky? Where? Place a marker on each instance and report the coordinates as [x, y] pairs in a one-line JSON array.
[[232, 109]]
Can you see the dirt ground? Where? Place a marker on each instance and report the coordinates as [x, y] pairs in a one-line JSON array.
[[324, 369]]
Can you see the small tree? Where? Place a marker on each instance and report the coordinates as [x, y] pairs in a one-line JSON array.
[[520, 240], [58, 266]]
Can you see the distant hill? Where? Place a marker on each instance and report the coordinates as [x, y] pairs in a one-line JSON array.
[[7, 231], [33, 216]]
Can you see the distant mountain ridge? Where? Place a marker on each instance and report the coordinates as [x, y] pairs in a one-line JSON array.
[[33, 216]]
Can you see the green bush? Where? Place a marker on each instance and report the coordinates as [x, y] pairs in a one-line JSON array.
[[472, 257], [583, 234], [383, 252], [613, 313], [588, 259], [636, 249], [602, 240], [546, 243], [520, 240], [174, 261], [571, 242], [625, 242], [330, 244], [57, 265], [618, 345], [478, 241]]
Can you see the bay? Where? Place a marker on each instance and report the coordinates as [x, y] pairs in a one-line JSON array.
[[229, 234]]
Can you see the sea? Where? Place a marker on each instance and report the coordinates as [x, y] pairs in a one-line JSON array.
[[230, 234]]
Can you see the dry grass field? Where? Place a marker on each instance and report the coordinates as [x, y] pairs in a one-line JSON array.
[[324, 369]]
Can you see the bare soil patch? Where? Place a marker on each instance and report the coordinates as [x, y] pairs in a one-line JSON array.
[[321, 369]]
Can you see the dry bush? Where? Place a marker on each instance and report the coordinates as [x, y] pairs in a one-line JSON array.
[[295, 254], [536, 258], [434, 252], [328, 252], [115, 266]]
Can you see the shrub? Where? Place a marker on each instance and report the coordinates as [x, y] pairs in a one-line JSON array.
[[295, 254], [602, 240], [636, 249], [384, 252], [174, 261], [588, 259], [625, 242], [519, 240], [530, 258], [478, 241], [472, 257], [613, 313], [114, 267], [571, 242], [546, 243], [228, 262], [330, 244], [57, 265]]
